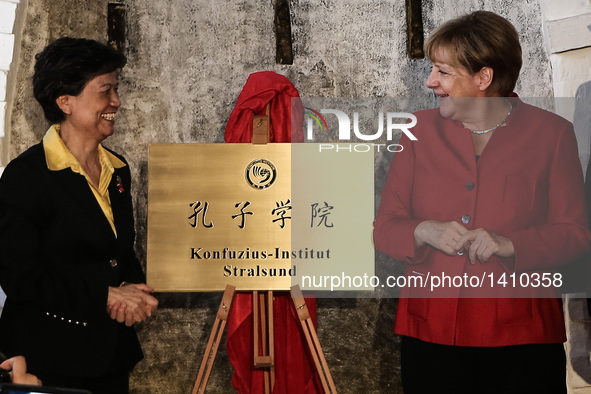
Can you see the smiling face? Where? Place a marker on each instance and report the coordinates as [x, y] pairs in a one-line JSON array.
[[92, 112], [454, 85]]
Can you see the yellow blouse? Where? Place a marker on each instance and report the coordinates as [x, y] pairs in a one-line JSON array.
[[59, 157]]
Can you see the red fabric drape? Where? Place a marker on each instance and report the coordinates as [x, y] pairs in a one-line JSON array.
[[294, 367], [262, 88]]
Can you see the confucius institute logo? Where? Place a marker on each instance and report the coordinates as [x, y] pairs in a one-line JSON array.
[[261, 174]]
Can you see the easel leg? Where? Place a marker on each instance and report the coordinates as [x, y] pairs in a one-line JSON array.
[[313, 342], [271, 337], [214, 340], [263, 322]]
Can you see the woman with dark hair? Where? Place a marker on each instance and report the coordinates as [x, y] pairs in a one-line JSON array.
[[492, 188], [67, 263]]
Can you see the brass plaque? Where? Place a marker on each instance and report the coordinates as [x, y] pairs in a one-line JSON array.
[[257, 217]]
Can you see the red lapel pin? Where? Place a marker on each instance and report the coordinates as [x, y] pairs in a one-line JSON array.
[[120, 184]]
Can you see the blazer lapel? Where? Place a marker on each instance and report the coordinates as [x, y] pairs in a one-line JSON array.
[[77, 187], [118, 190]]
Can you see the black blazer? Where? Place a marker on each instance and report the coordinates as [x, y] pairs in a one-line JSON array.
[[58, 255]]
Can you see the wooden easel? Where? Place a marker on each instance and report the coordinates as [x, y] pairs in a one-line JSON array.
[[264, 319], [262, 309]]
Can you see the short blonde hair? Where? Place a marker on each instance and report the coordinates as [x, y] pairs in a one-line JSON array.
[[477, 40]]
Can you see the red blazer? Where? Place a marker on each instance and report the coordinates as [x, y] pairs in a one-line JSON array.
[[527, 185]]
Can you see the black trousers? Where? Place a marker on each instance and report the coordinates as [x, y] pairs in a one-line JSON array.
[[522, 369], [115, 380], [117, 383]]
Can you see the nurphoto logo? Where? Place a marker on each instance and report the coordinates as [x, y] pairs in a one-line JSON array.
[[393, 122]]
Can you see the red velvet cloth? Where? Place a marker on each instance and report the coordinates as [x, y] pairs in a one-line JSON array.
[[294, 367]]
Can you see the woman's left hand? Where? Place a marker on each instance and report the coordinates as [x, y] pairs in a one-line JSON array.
[[481, 244]]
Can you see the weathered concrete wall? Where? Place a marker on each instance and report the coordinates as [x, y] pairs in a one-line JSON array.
[[188, 61]]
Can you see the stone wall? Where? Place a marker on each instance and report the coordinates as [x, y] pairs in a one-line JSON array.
[[188, 61]]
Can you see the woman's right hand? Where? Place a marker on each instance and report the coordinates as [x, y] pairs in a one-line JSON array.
[[131, 303], [18, 367], [443, 236]]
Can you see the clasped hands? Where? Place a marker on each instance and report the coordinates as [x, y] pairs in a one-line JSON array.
[[131, 303], [452, 238]]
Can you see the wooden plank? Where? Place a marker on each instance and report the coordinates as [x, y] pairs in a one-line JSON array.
[[116, 26], [284, 53], [414, 29]]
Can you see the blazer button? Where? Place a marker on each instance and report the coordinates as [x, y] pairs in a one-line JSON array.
[[470, 186], [466, 219], [113, 263]]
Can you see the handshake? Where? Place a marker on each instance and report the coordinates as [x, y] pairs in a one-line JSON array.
[[131, 303]]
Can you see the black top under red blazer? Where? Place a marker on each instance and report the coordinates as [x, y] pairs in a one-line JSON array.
[[58, 256]]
